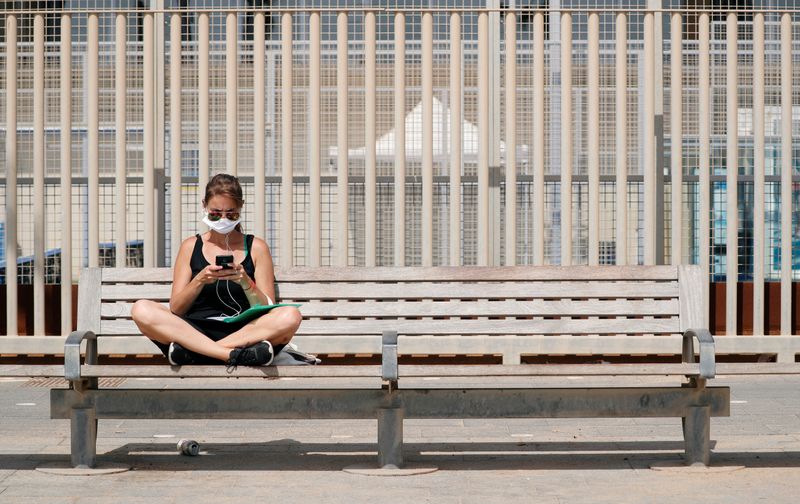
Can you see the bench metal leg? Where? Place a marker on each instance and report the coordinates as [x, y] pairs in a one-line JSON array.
[[390, 437], [83, 437], [697, 435]]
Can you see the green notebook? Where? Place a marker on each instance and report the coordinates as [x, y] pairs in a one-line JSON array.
[[255, 312]]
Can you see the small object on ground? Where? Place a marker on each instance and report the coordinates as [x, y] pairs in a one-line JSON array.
[[189, 447]]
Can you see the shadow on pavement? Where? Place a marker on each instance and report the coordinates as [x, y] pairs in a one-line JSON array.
[[291, 455]]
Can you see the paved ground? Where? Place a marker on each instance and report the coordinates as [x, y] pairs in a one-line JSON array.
[[580, 460]]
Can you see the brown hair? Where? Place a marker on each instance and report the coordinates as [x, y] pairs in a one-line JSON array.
[[223, 184]]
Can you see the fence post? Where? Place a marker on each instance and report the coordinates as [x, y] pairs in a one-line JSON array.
[[38, 174], [456, 97], [658, 126], [66, 173], [566, 138], [120, 140], [287, 143], [732, 170], [786, 174], [621, 65], [400, 136], [704, 153]]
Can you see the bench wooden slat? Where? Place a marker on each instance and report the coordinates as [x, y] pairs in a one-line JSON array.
[[441, 273], [757, 368], [483, 326], [477, 273], [490, 290], [536, 307], [463, 327], [37, 371], [480, 371], [150, 371]]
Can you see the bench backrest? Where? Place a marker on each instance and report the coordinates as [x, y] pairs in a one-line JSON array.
[[341, 304]]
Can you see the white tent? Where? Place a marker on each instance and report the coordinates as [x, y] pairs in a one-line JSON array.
[[385, 145]]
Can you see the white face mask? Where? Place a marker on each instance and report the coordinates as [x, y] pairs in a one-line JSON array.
[[222, 226]]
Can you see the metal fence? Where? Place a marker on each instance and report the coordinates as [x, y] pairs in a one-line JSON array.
[[530, 134]]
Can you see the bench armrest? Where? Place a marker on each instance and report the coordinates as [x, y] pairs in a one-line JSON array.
[[707, 359], [72, 353]]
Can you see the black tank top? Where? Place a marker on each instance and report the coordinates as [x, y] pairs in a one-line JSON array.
[[213, 298]]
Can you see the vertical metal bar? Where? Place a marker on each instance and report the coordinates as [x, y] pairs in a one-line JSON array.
[[427, 139], [66, 174], [593, 134], [271, 122], [315, 215], [175, 134], [149, 76], [758, 174], [120, 139], [494, 210], [704, 152], [511, 139], [93, 136], [342, 165], [232, 93], [160, 23], [483, 139], [566, 138], [11, 175], [621, 66], [203, 102], [400, 135], [658, 128], [676, 136], [732, 213], [649, 141], [538, 138], [370, 174], [456, 130], [786, 174], [287, 132], [259, 139], [38, 174]]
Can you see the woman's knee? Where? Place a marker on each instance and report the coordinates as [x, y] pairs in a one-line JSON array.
[[292, 319], [144, 312], [287, 320]]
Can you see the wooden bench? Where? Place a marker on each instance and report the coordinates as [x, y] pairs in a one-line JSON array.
[[395, 308]]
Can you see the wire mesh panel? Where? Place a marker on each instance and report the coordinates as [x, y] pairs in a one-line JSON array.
[[417, 117]]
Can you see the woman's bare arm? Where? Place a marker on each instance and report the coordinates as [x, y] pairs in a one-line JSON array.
[[263, 291], [185, 289]]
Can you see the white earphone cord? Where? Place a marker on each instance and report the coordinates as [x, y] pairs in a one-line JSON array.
[[228, 287]]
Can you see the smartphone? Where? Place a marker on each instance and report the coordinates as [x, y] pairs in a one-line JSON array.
[[225, 261]]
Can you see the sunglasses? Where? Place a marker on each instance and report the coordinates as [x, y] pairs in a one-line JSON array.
[[215, 215]]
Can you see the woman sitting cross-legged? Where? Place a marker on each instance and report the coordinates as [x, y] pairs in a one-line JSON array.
[[191, 330]]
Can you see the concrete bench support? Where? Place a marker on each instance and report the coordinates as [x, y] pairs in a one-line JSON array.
[[390, 438], [697, 435], [83, 437]]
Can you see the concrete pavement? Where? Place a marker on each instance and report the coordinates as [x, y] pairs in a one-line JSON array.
[[482, 461]]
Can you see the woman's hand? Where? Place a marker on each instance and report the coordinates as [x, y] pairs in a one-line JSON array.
[[235, 273], [211, 274]]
